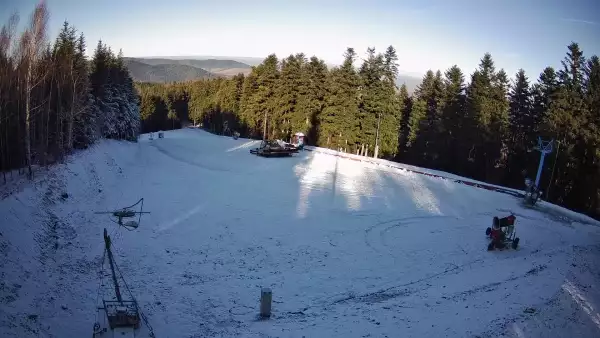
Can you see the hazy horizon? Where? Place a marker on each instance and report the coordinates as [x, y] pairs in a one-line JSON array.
[[251, 61], [432, 34]]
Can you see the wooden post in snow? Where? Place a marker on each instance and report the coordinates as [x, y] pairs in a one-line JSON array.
[[265, 302]]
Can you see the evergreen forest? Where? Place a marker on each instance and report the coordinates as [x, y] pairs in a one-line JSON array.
[[482, 124]]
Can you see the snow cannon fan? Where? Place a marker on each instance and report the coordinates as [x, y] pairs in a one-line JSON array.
[[128, 212]]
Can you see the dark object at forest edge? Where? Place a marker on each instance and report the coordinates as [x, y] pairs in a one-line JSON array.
[[270, 148]]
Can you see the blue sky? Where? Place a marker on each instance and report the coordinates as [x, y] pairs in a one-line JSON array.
[[529, 34]]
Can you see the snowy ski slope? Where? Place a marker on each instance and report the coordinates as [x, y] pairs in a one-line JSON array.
[[349, 249]]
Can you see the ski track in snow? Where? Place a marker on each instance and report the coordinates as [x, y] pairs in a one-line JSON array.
[[181, 218], [349, 249]]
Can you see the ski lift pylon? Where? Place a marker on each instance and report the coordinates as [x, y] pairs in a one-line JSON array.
[[119, 308]]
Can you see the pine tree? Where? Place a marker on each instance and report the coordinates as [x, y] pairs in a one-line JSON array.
[[239, 85], [543, 91], [453, 119], [226, 96], [391, 64], [312, 106], [431, 91], [566, 111], [86, 129], [418, 114], [479, 94], [573, 73], [154, 107], [593, 95], [393, 104], [497, 148], [567, 117], [338, 122], [592, 144], [114, 95], [520, 110], [264, 101], [405, 109], [487, 111], [248, 106], [521, 126], [289, 91], [372, 97]]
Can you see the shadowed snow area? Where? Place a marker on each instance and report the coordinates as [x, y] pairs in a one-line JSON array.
[[349, 249]]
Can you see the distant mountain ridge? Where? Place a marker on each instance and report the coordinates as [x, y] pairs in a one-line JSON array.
[[189, 68], [204, 64], [170, 70], [411, 82], [167, 72]]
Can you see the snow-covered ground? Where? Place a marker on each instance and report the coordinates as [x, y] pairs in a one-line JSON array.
[[350, 249]]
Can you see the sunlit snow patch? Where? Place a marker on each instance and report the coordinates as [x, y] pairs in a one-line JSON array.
[[353, 182], [421, 195], [314, 176]]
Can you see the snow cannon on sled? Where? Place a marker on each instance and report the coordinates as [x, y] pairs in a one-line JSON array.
[[277, 148], [298, 140], [502, 233], [128, 212]]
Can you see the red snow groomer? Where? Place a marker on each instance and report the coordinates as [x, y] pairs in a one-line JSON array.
[[502, 233]]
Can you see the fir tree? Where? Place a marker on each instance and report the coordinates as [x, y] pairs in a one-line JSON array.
[[114, 95], [487, 111], [520, 110], [338, 121], [593, 95], [405, 105], [316, 76], [372, 96], [289, 91], [86, 129], [522, 125], [431, 92], [453, 119], [418, 114], [591, 200], [391, 64], [264, 102], [248, 105], [393, 104], [542, 92], [565, 121]]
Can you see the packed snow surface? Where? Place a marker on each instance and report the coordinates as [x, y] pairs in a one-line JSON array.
[[349, 249]]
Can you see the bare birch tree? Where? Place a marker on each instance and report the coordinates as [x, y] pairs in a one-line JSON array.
[[34, 40]]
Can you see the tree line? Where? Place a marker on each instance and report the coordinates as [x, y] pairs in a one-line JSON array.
[[484, 125], [53, 99]]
